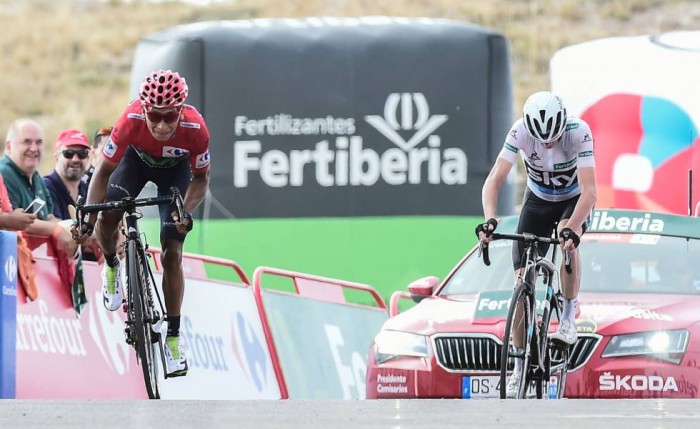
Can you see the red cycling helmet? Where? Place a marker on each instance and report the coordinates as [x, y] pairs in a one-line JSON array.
[[163, 89]]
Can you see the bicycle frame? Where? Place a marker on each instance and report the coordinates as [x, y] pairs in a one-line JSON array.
[[143, 320], [536, 347]]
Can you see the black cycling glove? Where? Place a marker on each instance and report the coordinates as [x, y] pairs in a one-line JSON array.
[[484, 227], [188, 215], [569, 234]]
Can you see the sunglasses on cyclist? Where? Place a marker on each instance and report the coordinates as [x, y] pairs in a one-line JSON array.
[[168, 117], [70, 153]]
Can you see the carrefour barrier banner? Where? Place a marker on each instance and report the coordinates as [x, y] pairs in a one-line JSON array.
[[322, 346], [319, 117], [226, 347], [61, 356], [8, 313], [638, 94]]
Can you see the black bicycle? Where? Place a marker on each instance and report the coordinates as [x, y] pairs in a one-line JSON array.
[[143, 318], [529, 321]]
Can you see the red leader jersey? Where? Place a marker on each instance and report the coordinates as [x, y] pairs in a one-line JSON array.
[[191, 140]]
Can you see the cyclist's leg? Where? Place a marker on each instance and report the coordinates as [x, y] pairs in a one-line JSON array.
[[570, 282], [171, 259], [126, 180], [171, 240]]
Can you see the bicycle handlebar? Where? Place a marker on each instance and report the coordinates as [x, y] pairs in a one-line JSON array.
[[128, 204], [525, 237]]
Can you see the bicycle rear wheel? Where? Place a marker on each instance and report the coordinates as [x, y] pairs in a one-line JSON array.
[[552, 308], [519, 326], [139, 286], [559, 357]]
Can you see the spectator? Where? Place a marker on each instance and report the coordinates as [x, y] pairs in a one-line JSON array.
[[101, 137], [16, 220], [72, 152], [24, 146]]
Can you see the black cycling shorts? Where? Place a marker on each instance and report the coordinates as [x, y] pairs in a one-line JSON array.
[[540, 217], [132, 174]]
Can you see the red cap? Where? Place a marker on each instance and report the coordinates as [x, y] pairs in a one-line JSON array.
[[71, 138]]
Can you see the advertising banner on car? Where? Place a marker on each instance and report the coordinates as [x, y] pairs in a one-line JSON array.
[[643, 113], [8, 313], [322, 346], [373, 116]]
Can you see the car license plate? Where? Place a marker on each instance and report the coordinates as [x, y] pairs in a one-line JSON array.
[[487, 386], [483, 386]]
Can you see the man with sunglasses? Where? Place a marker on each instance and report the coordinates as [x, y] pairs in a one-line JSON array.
[[65, 184], [72, 153], [160, 139]]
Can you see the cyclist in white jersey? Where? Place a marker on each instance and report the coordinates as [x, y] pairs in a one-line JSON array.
[[558, 153]]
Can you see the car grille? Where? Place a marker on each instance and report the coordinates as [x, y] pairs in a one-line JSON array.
[[471, 353], [579, 352]]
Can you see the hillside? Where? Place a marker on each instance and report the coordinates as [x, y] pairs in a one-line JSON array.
[[67, 62]]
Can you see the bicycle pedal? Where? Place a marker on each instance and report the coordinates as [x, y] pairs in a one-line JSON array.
[[558, 345], [129, 333]]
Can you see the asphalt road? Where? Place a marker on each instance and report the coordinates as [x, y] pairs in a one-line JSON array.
[[393, 414]]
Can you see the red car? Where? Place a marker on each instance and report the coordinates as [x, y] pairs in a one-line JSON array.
[[638, 318]]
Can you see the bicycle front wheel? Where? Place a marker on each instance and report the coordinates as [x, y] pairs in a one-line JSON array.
[[517, 332], [143, 318]]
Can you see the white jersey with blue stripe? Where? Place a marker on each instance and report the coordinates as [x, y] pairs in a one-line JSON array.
[[552, 174]]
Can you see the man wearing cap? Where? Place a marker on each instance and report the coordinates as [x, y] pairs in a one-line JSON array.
[[72, 152], [101, 137], [24, 146]]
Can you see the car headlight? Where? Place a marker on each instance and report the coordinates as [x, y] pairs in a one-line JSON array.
[[665, 345], [391, 344]]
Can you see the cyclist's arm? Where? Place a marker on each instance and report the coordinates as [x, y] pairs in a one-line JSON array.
[[489, 193], [586, 180], [98, 184], [197, 190]]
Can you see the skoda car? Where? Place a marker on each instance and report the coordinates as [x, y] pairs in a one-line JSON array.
[[637, 320]]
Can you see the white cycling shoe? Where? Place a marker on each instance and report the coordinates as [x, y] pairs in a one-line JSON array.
[[513, 385], [566, 333], [112, 287], [175, 357]]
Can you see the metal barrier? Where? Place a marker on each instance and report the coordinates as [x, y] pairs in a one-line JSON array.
[[193, 265], [307, 286]]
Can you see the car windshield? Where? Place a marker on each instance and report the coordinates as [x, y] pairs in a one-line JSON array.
[[616, 263]]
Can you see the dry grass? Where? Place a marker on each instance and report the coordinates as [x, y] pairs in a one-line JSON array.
[[67, 62]]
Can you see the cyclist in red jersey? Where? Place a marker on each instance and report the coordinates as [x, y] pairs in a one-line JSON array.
[[160, 139]]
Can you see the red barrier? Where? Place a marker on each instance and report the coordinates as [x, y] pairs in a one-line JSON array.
[[193, 265], [60, 355], [396, 297], [306, 285]]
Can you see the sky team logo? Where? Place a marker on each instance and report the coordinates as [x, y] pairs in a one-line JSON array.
[[645, 147]]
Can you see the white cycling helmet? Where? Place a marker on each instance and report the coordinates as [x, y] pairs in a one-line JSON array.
[[544, 116]]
